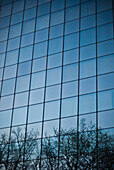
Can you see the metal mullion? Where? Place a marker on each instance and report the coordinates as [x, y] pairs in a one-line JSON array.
[[78, 88], [30, 86], [45, 85], [61, 85], [15, 84]]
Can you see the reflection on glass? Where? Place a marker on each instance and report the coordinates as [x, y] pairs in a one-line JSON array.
[[8, 87], [53, 93], [19, 116], [5, 118], [22, 83], [38, 80], [36, 96]]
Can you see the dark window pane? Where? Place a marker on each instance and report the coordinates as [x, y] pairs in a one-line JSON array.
[[56, 31], [29, 14], [25, 54], [103, 5], [41, 35], [24, 68], [87, 8], [30, 4], [4, 22], [40, 50], [3, 34], [57, 5], [22, 83], [16, 18], [38, 80], [70, 56], [88, 22], [44, 9], [8, 87], [72, 13], [18, 6], [42, 22], [57, 17], [72, 26]]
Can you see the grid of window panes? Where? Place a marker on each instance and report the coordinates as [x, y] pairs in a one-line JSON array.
[[56, 68]]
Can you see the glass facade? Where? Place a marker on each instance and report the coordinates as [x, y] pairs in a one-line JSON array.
[[56, 84]]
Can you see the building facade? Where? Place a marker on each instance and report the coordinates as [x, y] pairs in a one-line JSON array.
[[56, 84]]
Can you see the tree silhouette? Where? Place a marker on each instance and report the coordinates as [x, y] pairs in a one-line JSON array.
[[89, 154]]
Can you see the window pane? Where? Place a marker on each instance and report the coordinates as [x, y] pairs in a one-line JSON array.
[[38, 80], [15, 30], [22, 83], [53, 76], [39, 64], [72, 13], [73, 2], [53, 93], [41, 35], [42, 22], [88, 22], [103, 5], [19, 116], [21, 99], [5, 10], [25, 53], [68, 123], [3, 47], [30, 4], [29, 14], [24, 68], [40, 49], [5, 118], [88, 52], [88, 37], [70, 89], [3, 34], [87, 68], [34, 127], [57, 17], [13, 43], [44, 9], [6, 102], [70, 72], [106, 100], [71, 27], [2, 57], [28, 26], [35, 113], [57, 5], [56, 31], [27, 40], [70, 56], [16, 18], [88, 85], [18, 6], [36, 96], [55, 45], [87, 103], [4, 22], [52, 110], [10, 72], [87, 8], [11, 57], [8, 86], [55, 60], [69, 107], [71, 41]]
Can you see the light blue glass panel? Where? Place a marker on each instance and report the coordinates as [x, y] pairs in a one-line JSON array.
[[71, 41], [57, 5], [57, 17], [72, 13], [6, 102], [55, 45], [105, 32], [35, 113], [2, 57], [104, 17], [15, 30], [105, 64], [49, 127], [69, 107], [4, 22], [35, 128], [88, 8], [53, 76], [88, 22], [1, 72], [5, 118], [106, 119], [53, 93], [38, 80], [88, 85], [40, 49], [103, 5], [13, 43], [25, 53], [3, 34], [106, 81], [22, 83], [24, 68], [5, 10], [55, 60], [43, 9], [8, 87], [41, 35], [42, 22], [39, 64], [10, 71], [27, 40], [16, 18], [28, 26], [11, 57], [21, 99], [56, 31], [19, 116], [88, 37], [105, 48], [52, 110], [87, 68], [70, 72], [71, 56], [87, 103], [106, 100], [3, 46], [36, 96], [88, 52], [29, 14], [71, 27], [68, 124], [70, 89]]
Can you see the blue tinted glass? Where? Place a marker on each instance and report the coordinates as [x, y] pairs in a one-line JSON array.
[[39, 64], [10, 71], [106, 100], [88, 22], [21, 99], [24, 68], [40, 49], [16, 18], [68, 123], [70, 56], [11, 57], [25, 53], [13, 43], [18, 6], [87, 8], [29, 14], [57, 5], [55, 45], [8, 86], [15, 31], [72, 2], [3, 47], [4, 22], [52, 110], [38, 80], [104, 17], [72, 26], [88, 37], [87, 103], [1, 72], [43, 1], [28, 26], [22, 83], [6, 102], [70, 72], [41, 35], [57, 17], [5, 10], [42, 22], [30, 4], [53, 93], [3, 34], [27, 39], [56, 31], [72, 13], [69, 107], [87, 68], [71, 41], [55, 60], [5, 118], [44, 9], [19, 116], [36, 96], [2, 57], [103, 5]]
